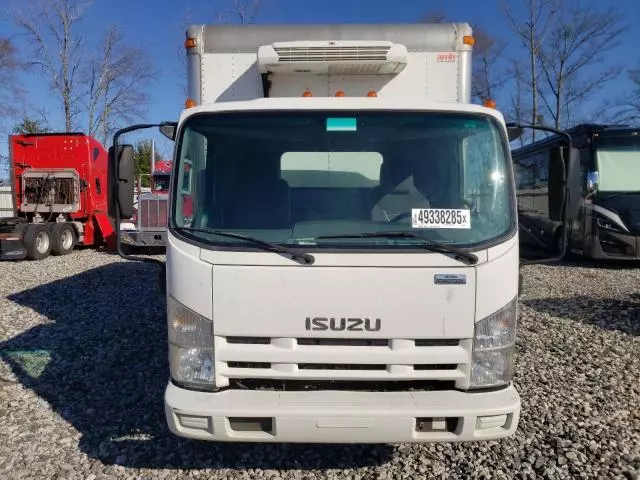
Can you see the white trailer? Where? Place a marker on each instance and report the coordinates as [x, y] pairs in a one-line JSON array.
[[349, 272]]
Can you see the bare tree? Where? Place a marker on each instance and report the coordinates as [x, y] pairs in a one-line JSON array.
[[246, 10], [10, 67], [435, 16], [621, 108], [488, 50], [634, 102], [488, 75], [182, 53], [531, 33], [241, 11], [518, 111], [116, 82], [579, 39], [50, 26]]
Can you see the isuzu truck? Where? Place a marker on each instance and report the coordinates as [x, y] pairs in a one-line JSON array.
[[346, 267]]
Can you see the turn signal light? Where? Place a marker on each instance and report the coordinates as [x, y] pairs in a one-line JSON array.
[[489, 102]]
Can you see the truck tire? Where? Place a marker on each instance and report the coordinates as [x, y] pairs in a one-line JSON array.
[[63, 238], [37, 241]]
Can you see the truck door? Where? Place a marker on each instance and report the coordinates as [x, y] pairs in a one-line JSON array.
[[579, 229]]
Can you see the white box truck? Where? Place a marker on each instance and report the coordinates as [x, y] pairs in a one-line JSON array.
[[347, 269]]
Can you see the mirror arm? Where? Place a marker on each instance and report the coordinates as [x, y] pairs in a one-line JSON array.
[[564, 134], [116, 136]]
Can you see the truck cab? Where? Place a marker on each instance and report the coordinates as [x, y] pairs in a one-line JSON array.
[[346, 269], [59, 196], [147, 226]]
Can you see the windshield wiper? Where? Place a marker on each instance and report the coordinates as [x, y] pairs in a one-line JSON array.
[[468, 257], [305, 258]]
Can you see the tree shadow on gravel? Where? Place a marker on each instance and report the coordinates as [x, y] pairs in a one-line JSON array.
[[102, 365], [605, 313]]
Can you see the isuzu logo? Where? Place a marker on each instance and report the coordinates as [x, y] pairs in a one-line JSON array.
[[342, 324], [448, 279]]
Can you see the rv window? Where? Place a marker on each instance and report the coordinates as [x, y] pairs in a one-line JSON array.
[[619, 169]]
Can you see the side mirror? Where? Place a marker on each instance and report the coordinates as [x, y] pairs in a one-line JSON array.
[[514, 132], [120, 188], [574, 184], [564, 185], [564, 174], [557, 178], [593, 179], [168, 130]]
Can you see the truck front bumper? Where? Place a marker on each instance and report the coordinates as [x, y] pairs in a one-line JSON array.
[[145, 238], [342, 417], [11, 245]]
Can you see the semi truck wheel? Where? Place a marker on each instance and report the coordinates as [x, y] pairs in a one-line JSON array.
[[63, 238], [37, 241]]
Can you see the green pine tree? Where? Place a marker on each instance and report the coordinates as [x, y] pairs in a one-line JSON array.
[[142, 160], [30, 126]]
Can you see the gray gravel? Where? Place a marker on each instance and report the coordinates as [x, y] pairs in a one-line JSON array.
[[83, 369]]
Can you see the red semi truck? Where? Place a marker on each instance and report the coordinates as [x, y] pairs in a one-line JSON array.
[[148, 226], [59, 183]]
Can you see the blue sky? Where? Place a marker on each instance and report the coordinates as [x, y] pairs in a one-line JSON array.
[[157, 26]]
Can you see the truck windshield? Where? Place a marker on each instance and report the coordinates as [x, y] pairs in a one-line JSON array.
[[619, 167], [161, 182], [317, 179]]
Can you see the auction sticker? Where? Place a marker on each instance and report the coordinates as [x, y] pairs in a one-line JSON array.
[[440, 218]]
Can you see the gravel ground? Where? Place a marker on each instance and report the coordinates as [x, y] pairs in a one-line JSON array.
[[83, 369]]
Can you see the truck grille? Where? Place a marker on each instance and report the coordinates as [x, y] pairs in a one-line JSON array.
[[340, 359], [153, 212]]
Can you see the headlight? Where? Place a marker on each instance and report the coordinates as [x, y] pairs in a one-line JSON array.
[[493, 345], [607, 225], [191, 356]]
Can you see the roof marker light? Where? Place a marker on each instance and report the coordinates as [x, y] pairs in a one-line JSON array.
[[489, 102]]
